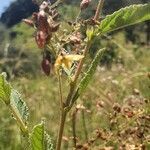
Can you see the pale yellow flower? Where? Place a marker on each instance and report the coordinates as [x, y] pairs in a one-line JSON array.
[[65, 61]]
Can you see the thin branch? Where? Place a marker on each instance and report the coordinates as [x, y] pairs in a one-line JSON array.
[[77, 73], [79, 68], [84, 125], [98, 10], [61, 129], [74, 127], [60, 91], [78, 15]]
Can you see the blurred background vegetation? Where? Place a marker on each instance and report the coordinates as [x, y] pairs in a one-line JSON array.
[[124, 69]]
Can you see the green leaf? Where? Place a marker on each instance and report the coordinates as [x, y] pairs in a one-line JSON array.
[[15, 103], [89, 74], [48, 142], [19, 106], [124, 17], [5, 89], [40, 140]]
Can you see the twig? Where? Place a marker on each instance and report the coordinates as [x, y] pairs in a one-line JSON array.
[[62, 116], [79, 68], [77, 73], [98, 10], [60, 90], [61, 129], [84, 126], [77, 18], [74, 127]]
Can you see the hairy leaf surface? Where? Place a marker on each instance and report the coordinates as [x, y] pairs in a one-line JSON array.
[[5, 89], [124, 17], [40, 140], [14, 101], [19, 106]]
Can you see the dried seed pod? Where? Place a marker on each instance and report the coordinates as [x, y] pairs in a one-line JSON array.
[[42, 23], [46, 66], [41, 39], [84, 4]]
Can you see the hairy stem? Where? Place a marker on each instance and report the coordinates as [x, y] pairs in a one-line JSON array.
[[74, 127], [77, 73], [70, 95], [79, 68], [98, 10], [61, 129], [77, 18], [60, 91], [84, 125], [62, 116]]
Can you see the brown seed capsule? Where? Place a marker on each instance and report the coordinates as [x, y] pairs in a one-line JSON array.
[[84, 4], [46, 66], [41, 39]]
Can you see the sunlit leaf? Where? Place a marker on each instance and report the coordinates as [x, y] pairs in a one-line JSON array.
[[15, 103], [40, 140], [5, 89], [124, 17], [19, 106]]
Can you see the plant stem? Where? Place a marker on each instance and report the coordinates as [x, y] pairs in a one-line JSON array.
[[69, 97], [77, 73], [61, 129], [74, 127], [84, 126], [62, 116], [98, 10], [60, 91], [77, 18], [79, 68]]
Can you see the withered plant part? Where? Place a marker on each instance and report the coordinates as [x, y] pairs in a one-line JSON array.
[[99, 135], [44, 22], [79, 108], [84, 4], [47, 62]]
